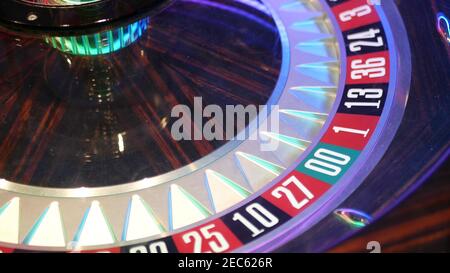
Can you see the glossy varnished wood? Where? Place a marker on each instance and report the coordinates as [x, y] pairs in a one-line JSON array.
[[420, 224]]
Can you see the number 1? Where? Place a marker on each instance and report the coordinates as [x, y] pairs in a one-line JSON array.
[[337, 130]]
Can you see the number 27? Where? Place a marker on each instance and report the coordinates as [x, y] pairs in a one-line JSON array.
[[283, 190]]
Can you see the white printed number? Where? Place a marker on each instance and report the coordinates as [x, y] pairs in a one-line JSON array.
[[374, 247], [281, 191], [367, 93], [327, 162], [372, 68], [361, 37], [338, 130], [157, 247], [216, 241], [261, 215], [356, 12]]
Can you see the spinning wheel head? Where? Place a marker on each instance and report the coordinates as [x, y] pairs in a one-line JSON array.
[[69, 17], [60, 2]]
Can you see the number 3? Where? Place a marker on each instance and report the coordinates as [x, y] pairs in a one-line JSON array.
[[356, 12], [374, 247]]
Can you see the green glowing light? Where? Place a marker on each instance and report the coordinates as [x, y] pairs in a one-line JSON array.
[[100, 43], [354, 218]]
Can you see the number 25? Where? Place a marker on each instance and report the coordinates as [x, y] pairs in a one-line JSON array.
[[219, 245]]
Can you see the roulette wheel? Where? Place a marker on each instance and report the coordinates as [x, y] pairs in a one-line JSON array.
[[95, 95]]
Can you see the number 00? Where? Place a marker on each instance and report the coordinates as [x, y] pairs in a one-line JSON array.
[[327, 162]]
